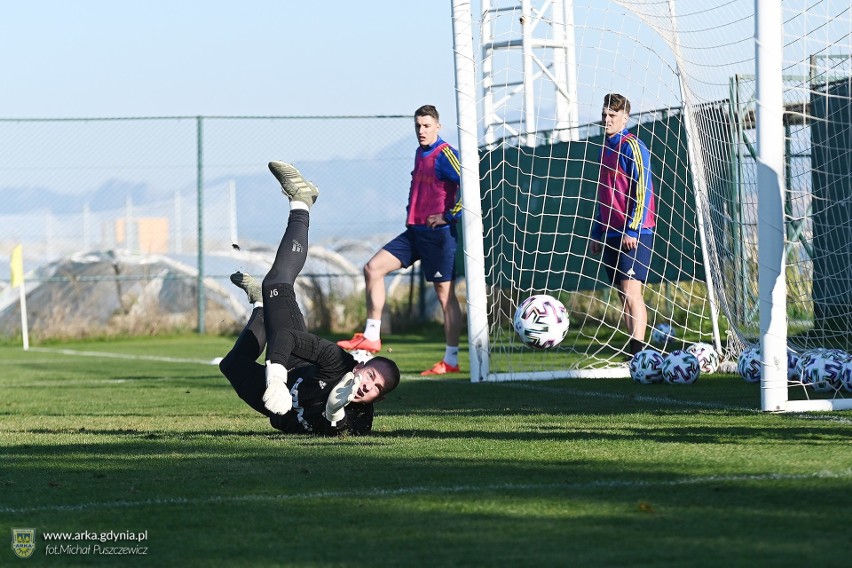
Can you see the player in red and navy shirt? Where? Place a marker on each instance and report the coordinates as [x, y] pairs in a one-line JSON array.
[[625, 220], [430, 237]]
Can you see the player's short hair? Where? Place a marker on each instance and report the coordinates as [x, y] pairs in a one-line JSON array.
[[389, 370], [616, 102], [427, 110]]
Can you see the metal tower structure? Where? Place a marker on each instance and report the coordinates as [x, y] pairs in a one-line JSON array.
[[529, 71]]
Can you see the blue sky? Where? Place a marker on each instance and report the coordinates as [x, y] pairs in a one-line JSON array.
[[116, 58], [96, 58], [93, 58]]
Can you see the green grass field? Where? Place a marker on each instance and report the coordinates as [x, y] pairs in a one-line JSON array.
[[559, 473]]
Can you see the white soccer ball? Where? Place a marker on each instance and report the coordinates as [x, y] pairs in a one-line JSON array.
[[541, 321], [792, 365], [840, 355], [822, 372], [708, 359], [749, 365], [646, 367], [681, 368], [662, 334], [846, 375], [805, 361]]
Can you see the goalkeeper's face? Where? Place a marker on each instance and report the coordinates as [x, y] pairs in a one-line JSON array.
[[373, 384]]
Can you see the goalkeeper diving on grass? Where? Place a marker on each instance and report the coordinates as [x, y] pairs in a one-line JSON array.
[[308, 385]]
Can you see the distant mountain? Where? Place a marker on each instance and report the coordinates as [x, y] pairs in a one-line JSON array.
[[110, 195], [357, 197]]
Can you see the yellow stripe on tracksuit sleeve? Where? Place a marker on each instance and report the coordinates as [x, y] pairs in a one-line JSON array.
[[454, 162], [641, 186]]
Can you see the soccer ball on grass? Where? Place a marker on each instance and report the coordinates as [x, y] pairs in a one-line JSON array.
[[822, 371], [681, 368], [646, 367], [541, 321], [662, 334], [749, 365], [846, 375], [707, 357], [792, 365]]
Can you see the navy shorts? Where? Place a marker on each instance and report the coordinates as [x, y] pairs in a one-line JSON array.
[[434, 248], [628, 264]]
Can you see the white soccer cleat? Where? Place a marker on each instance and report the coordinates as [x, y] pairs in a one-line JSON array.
[[293, 184], [277, 397]]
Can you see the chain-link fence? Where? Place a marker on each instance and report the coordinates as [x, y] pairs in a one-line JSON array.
[[192, 196]]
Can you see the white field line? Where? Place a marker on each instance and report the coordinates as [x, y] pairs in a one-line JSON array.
[[437, 490], [537, 386], [124, 356], [627, 397]]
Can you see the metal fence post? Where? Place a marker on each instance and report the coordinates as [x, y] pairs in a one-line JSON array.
[[199, 188]]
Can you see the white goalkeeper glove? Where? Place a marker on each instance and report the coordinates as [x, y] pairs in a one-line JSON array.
[[277, 397], [341, 395]]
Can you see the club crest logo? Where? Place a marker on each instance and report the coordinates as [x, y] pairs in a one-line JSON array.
[[23, 542]]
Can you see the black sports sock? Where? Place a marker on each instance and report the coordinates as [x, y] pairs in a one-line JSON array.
[[636, 345]]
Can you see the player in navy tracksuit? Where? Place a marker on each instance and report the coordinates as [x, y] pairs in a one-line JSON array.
[[430, 236], [624, 226], [309, 384]]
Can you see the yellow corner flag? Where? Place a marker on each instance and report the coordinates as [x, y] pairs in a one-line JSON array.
[[17, 266]]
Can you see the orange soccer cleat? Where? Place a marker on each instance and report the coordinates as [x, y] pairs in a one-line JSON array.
[[358, 341], [442, 368]]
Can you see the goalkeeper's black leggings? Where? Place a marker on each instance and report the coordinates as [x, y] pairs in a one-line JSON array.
[[280, 311]]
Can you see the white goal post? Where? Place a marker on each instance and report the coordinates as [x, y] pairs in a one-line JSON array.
[[747, 130]]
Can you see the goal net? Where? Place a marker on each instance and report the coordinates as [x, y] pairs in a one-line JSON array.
[[688, 69]]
